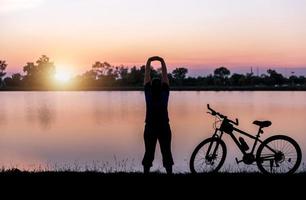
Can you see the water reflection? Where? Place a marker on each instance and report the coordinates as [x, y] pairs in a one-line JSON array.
[[2, 113], [44, 128], [40, 109], [46, 115], [102, 105]]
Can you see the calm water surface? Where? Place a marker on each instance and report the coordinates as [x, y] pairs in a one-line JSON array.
[[104, 130]]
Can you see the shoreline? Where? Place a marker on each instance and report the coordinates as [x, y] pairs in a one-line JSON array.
[[197, 89]]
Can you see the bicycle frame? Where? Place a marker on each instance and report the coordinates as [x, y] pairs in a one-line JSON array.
[[225, 123]]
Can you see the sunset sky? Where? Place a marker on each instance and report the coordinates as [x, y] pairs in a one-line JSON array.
[[190, 33]]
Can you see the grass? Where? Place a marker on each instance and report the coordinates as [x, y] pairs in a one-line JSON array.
[[118, 173], [127, 168], [122, 166]]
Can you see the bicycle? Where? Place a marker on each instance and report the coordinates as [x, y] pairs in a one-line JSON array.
[[277, 154]]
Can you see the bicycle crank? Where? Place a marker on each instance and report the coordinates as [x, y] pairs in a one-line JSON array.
[[248, 159]]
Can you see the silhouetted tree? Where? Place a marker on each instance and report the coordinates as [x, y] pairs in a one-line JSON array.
[[179, 74], [101, 68], [237, 79], [294, 80], [209, 80], [123, 72], [46, 69], [14, 80], [88, 79], [3, 66], [30, 69], [275, 78], [221, 75], [123, 75], [190, 81], [17, 77], [41, 74], [136, 76], [106, 73], [222, 72], [255, 81]]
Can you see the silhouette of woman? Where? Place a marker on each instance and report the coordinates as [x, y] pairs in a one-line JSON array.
[[157, 126]]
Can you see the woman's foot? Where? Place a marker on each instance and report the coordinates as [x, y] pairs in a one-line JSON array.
[[146, 170], [169, 170]]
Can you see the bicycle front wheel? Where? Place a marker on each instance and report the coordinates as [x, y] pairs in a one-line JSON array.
[[279, 155], [208, 156]]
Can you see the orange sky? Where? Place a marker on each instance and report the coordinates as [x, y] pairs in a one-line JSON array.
[[195, 33]]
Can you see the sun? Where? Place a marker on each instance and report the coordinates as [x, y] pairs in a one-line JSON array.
[[62, 76]]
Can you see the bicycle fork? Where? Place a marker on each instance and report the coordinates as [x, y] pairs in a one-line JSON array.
[[212, 156]]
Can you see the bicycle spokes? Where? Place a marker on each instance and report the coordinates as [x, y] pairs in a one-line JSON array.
[[278, 156], [209, 160], [209, 156]]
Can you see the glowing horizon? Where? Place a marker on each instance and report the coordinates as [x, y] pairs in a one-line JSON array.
[[195, 33]]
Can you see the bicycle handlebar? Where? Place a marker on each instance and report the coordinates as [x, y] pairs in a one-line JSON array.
[[214, 113]]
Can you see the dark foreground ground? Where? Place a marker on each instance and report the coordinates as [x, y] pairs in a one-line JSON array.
[[91, 185], [135, 182]]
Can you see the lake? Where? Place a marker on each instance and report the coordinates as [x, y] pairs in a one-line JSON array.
[[104, 130]]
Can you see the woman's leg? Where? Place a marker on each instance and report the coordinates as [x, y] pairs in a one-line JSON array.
[[165, 146], [150, 140]]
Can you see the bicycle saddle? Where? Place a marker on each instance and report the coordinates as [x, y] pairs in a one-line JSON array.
[[263, 124]]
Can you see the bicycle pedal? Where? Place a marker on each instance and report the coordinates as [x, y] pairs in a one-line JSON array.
[[238, 161]]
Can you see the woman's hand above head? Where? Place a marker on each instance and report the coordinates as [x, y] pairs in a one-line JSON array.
[[163, 66], [156, 58]]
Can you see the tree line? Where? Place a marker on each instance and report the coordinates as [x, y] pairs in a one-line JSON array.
[[102, 74]]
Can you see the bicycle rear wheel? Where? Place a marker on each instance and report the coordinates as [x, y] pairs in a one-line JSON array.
[[279, 155], [202, 161]]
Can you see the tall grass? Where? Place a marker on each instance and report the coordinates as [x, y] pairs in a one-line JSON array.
[[123, 166]]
